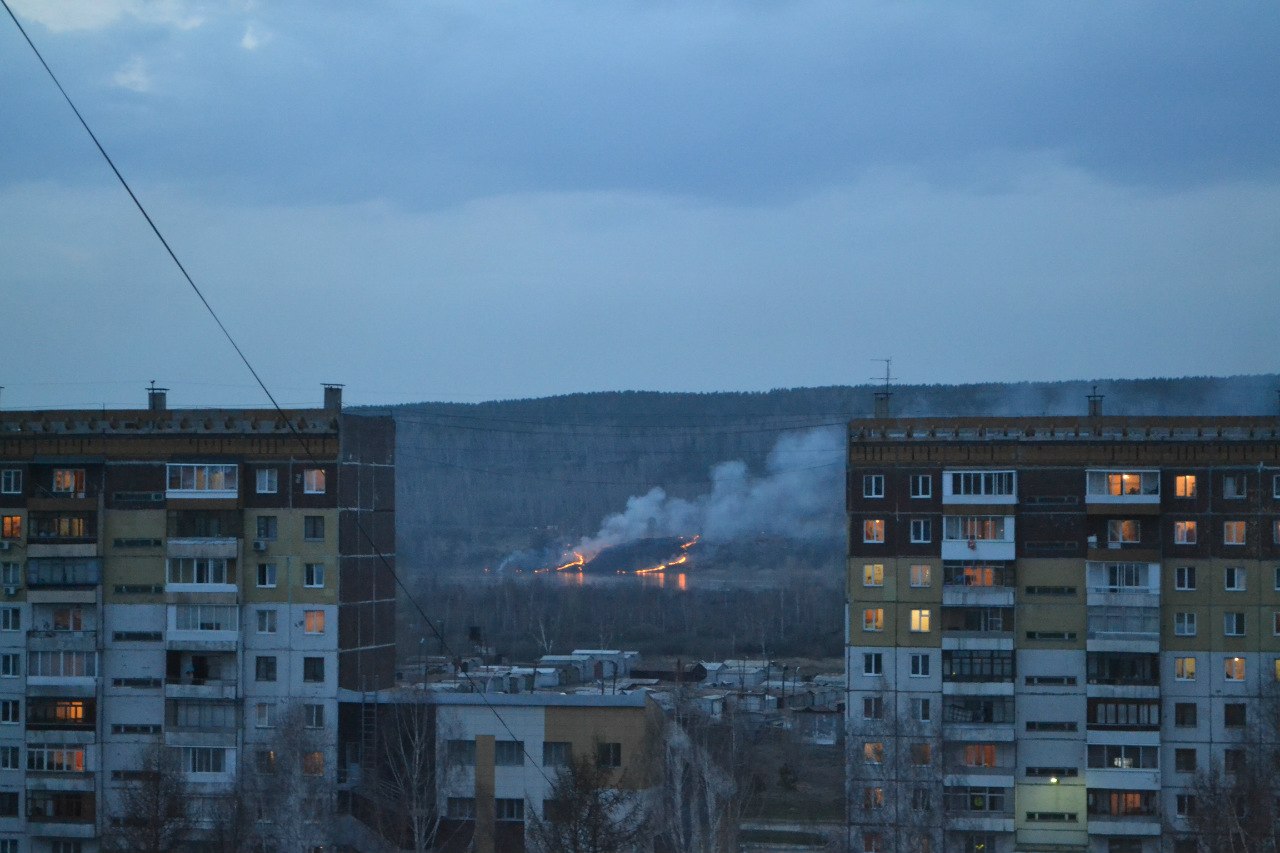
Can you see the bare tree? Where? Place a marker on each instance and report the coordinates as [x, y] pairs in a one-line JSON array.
[[290, 784], [588, 812], [155, 809], [402, 786], [707, 781]]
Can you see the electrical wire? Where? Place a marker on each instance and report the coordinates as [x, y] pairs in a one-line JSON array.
[[297, 436]]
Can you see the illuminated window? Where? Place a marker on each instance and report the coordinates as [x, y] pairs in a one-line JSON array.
[[1233, 624], [872, 798], [1184, 485], [1184, 669], [1233, 579], [1184, 533], [873, 752], [68, 481], [1233, 532], [872, 842], [921, 531], [873, 486], [1233, 669], [203, 480], [1123, 483], [873, 530], [1275, 665], [873, 619], [11, 481], [1184, 624], [313, 621], [313, 481], [921, 575], [873, 574], [11, 527], [980, 755], [920, 621], [313, 764], [921, 486], [1124, 531], [976, 527]]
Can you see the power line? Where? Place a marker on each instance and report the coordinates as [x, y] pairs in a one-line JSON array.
[[297, 436]]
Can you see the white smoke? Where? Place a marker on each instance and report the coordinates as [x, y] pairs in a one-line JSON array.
[[799, 496]]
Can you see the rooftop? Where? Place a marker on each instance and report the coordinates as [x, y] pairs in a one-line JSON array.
[[1067, 429]]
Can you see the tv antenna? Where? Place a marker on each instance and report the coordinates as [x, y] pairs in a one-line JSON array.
[[882, 397]]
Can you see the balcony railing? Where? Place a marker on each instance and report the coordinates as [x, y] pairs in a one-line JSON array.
[[53, 572]]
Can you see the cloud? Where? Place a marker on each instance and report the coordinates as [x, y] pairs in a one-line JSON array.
[[61, 16], [134, 76], [254, 37]]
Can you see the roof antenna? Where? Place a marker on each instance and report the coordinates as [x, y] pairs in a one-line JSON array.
[[882, 397]]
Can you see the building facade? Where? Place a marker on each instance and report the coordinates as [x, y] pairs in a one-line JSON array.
[[196, 579], [1056, 626]]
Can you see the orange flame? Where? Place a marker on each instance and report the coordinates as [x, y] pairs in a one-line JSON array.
[[577, 562], [694, 541], [678, 561]]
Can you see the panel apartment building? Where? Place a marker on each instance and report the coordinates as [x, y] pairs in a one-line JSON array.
[[1053, 625], [190, 578]]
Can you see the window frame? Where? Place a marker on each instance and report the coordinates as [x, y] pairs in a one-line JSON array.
[[919, 480], [1234, 579], [1184, 623], [873, 663], [920, 666], [314, 481], [10, 481], [313, 575], [1234, 669], [267, 575], [921, 620], [1185, 485], [313, 622], [1235, 532], [1184, 578], [873, 486], [873, 531], [1184, 668], [309, 664], [1233, 623], [921, 531], [921, 575], [1185, 532], [873, 620], [266, 481]]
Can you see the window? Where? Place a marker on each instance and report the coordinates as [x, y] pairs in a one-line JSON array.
[[1184, 669], [267, 621], [921, 575], [921, 710], [313, 763], [872, 663], [9, 758], [1184, 760], [872, 798], [982, 482], [198, 570], [10, 666], [1185, 578], [55, 758], [556, 753], [1233, 669], [872, 708], [68, 481], [1124, 757], [460, 753], [1233, 624], [1123, 483], [313, 527], [958, 528], [1233, 579], [873, 619], [268, 481], [264, 715], [873, 530], [1125, 531], [922, 486], [1233, 532], [268, 527], [873, 752], [313, 669], [921, 530], [313, 481], [1233, 760], [508, 809], [1234, 486], [10, 619], [1184, 533], [1275, 486], [206, 617], [203, 481], [62, 664], [10, 574], [609, 754], [921, 754], [1275, 622], [873, 486], [11, 481], [313, 621], [10, 711], [264, 668], [313, 716], [1184, 624], [873, 574], [920, 621], [508, 753], [205, 759], [9, 804], [313, 575], [460, 808], [11, 527], [980, 755], [920, 664], [266, 575], [1185, 804], [1184, 486], [872, 842], [1233, 715]]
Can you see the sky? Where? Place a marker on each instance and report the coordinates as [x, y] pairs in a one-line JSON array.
[[450, 200]]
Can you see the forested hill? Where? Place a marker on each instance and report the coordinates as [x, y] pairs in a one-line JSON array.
[[476, 481]]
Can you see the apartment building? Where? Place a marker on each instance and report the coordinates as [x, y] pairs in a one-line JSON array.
[[1054, 624], [190, 578]]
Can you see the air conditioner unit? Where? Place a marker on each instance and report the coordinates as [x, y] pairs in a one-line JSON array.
[[259, 544], [10, 590], [4, 544], [1093, 541]]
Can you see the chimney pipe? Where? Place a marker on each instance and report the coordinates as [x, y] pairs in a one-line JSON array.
[[1095, 403], [157, 398], [332, 397]]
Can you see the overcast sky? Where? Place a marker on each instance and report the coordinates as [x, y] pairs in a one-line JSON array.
[[468, 201]]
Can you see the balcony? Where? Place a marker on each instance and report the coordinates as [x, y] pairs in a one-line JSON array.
[[198, 688], [225, 547], [1129, 487], [978, 538], [49, 780], [64, 572], [54, 640]]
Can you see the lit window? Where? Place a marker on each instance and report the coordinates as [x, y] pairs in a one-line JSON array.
[[872, 798], [68, 481], [1233, 532], [873, 752], [203, 481], [268, 481], [1184, 485], [1184, 624], [921, 531], [873, 530], [980, 755], [921, 575], [1233, 669], [873, 619], [1184, 533], [313, 481], [1275, 664], [920, 621], [873, 486], [975, 527], [1233, 579], [1124, 531], [11, 527], [1233, 624], [1184, 669], [313, 575], [873, 574], [921, 486], [314, 621]]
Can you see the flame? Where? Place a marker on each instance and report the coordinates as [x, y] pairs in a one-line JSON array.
[[577, 562], [694, 541], [678, 561]]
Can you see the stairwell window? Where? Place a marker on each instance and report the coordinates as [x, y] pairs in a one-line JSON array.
[[873, 530]]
